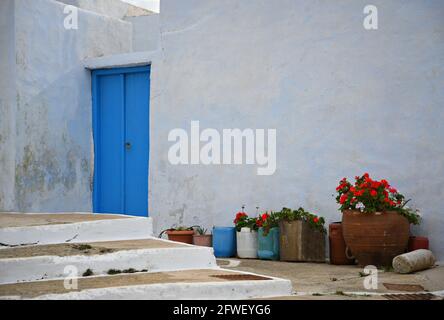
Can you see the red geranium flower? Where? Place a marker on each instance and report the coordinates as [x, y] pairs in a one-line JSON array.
[[372, 196], [239, 216], [315, 219], [375, 184], [385, 183]]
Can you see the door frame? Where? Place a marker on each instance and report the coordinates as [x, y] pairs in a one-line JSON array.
[[95, 74]]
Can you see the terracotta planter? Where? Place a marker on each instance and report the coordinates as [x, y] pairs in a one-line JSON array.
[[181, 236], [375, 238], [203, 240], [338, 248], [416, 243]]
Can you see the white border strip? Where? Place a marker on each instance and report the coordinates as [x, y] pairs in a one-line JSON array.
[[275, 287], [154, 260], [88, 231]]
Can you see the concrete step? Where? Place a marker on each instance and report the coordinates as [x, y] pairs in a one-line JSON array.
[[18, 229], [192, 284], [31, 263]]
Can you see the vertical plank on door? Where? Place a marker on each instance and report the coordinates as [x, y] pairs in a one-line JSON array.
[[137, 135], [109, 153]]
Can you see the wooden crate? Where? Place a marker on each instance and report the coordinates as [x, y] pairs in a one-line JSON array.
[[300, 242]]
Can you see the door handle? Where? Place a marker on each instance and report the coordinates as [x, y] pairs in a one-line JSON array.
[[128, 145]]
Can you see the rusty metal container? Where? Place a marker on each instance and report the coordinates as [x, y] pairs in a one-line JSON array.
[[299, 242], [375, 238], [338, 248]]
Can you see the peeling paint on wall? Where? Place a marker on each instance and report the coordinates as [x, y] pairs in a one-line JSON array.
[[53, 118]]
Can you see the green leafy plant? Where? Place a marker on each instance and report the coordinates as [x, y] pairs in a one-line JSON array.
[[369, 196], [201, 231], [130, 270], [267, 221], [179, 228], [313, 220], [88, 273], [82, 247]]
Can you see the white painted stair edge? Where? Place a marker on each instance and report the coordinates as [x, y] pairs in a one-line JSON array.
[[86, 231], [189, 257], [235, 290]]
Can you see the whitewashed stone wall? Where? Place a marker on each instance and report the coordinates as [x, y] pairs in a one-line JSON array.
[[47, 148], [344, 101]]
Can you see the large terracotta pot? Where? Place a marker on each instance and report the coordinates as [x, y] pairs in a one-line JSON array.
[[375, 238]]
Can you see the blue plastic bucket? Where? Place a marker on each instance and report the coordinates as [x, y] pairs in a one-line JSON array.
[[268, 245], [224, 242]]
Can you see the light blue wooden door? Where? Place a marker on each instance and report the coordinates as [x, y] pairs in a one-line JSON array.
[[121, 140]]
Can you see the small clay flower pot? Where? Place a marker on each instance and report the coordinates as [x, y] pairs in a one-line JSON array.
[[203, 240], [185, 236]]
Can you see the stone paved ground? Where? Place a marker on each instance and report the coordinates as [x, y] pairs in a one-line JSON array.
[[325, 281]]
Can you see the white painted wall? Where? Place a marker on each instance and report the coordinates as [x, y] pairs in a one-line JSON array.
[[52, 139], [343, 100], [7, 103], [45, 96], [146, 32]]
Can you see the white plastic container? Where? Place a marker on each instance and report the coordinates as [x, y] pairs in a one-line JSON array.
[[246, 243]]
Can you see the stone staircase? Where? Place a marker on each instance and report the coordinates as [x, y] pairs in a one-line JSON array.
[[113, 257]]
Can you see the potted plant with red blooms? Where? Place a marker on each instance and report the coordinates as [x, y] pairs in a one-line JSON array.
[[302, 236], [246, 235], [375, 220], [268, 236]]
